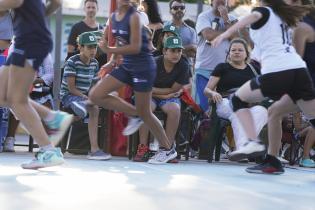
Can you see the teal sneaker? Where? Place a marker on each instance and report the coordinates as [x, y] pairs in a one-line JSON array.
[[57, 128], [308, 163], [44, 159]]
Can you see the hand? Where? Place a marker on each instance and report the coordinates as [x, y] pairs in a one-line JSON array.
[[223, 12], [216, 97], [103, 45]]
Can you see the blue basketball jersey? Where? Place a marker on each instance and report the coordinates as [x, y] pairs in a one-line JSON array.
[[30, 28], [121, 31]]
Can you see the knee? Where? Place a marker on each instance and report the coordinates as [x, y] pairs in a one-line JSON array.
[[274, 114], [173, 113]]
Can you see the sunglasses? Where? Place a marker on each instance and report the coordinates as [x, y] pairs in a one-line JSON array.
[[178, 7]]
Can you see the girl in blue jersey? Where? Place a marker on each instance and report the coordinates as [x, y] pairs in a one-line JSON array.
[[284, 74], [138, 70], [31, 45]]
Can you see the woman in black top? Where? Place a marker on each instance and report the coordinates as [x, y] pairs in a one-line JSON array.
[[226, 78]]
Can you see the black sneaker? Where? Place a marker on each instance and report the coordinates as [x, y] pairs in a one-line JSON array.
[[271, 165]]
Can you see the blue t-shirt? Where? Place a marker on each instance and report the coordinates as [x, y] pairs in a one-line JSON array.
[[121, 31], [30, 28]]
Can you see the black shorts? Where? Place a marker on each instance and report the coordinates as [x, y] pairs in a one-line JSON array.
[[34, 57], [297, 83]]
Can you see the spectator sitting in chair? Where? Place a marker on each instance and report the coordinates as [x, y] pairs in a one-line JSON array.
[[172, 75], [79, 72], [41, 94], [230, 76]]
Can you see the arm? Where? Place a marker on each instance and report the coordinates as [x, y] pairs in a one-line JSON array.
[[302, 34], [164, 91], [209, 90], [250, 19], [52, 6], [10, 4], [135, 40], [72, 88]]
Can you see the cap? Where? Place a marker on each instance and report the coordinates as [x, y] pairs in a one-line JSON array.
[[173, 42], [87, 38], [172, 29]]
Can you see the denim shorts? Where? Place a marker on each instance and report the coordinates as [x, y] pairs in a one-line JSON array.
[[161, 102], [67, 100]]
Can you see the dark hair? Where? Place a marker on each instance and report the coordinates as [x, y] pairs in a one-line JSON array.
[[311, 14], [172, 1], [239, 41], [153, 11], [90, 1], [288, 13]]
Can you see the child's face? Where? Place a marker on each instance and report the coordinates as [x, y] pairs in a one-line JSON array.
[[89, 51], [173, 55]]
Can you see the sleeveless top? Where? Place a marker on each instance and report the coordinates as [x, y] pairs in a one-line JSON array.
[[121, 31], [30, 27]]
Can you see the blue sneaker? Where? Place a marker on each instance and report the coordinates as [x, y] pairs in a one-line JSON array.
[[99, 155], [307, 163], [57, 128], [45, 158]]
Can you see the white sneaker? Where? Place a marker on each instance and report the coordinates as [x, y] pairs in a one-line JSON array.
[[163, 156], [134, 124], [249, 149]]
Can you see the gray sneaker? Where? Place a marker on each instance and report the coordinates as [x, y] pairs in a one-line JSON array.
[[99, 155], [8, 145]]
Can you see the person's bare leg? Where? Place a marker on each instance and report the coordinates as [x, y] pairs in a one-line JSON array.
[[4, 78], [309, 133], [144, 130], [93, 126], [12, 126], [20, 81], [250, 96], [143, 101], [308, 108], [276, 112], [172, 111], [100, 95]]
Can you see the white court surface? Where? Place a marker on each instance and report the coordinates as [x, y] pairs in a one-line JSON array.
[[120, 184]]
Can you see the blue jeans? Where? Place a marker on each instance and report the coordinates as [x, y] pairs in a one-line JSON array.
[[201, 83]]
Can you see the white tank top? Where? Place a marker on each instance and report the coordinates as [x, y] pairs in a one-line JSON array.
[[274, 40]]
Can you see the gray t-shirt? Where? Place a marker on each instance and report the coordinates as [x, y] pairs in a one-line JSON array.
[[6, 27], [207, 57], [187, 33]]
